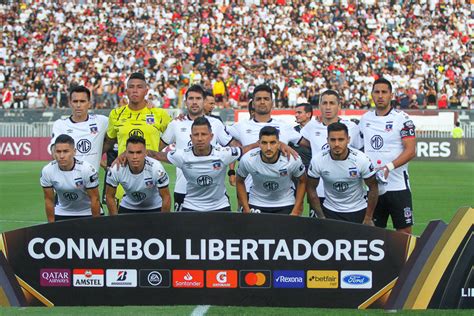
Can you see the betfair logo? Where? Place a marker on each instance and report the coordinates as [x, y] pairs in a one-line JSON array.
[[322, 279]]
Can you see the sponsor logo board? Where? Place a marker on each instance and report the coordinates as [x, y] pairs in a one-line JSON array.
[[322, 279], [188, 278], [356, 279], [55, 277], [221, 279], [255, 279], [121, 278], [88, 277], [155, 278], [289, 279]]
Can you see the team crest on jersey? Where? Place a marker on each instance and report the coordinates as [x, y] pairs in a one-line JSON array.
[[353, 172], [150, 119], [389, 126], [216, 165], [93, 128], [283, 172], [79, 183], [149, 183]]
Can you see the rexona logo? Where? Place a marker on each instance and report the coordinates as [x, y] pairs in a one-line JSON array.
[[322, 279], [255, 278], [121, 278], [221, 279], [155, 278], [88, 277], [356, 279], [288, 279], [188, 278], [55, 277]]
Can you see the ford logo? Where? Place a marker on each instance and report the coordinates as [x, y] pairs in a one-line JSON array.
[[356, 279]]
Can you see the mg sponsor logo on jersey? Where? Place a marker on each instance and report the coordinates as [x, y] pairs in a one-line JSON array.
[[221, 279], [88, 277], [136, 132], [288, 279], [157, 278], [138, 196], [70, 196], [376, 142], [83, 146], [322, 279], [121, 278], [204, 181], [356, 279], [188, 278], [270, 185], [340, 186], [55, 277], [255, 279]]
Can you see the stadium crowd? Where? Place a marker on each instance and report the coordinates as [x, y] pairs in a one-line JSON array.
[[298, 47]]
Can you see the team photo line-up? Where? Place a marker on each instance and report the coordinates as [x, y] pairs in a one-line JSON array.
[[350, 171]]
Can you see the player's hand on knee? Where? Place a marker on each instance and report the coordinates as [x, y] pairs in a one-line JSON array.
[[368, 221]]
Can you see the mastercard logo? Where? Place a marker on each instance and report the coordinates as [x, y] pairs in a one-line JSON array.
[[255, 279]]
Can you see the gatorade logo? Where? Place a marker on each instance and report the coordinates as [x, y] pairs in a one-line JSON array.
[[221, 279], [255, 279]]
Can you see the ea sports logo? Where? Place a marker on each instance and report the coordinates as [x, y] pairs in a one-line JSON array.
[[70, 196], [136, 132], [83, 146], [270, 185], [376, 142], [204, 181], [155, 278]]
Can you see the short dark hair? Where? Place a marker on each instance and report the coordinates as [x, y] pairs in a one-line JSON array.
[[80, 89], [308, 108], [269, 131], [263, 87], [208, 93], [64, 139], [135, 139], [382, 80], [250, 107], [137, 75], [202, 121], [337, 127], [196, 88], [330, 92]]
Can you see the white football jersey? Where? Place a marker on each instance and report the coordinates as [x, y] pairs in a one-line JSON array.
[[247, 131], [317, 133], [141, 190], [382, 137], [272, 182], [70, 187], [205, 175], [343, 179], [88, 136], [178, 133]]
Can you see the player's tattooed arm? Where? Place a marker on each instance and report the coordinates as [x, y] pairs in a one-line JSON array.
[[372, 198], [110, 199]]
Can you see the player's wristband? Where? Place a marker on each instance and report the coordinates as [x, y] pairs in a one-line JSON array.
[[390, 166], [231, 172]]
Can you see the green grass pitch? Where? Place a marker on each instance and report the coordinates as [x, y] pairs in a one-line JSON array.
[[439, 189]]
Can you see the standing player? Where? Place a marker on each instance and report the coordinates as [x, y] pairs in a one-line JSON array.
[[135, 119], [178, 133], [315, 132], [204, 167], [389, 140], [273, 190], [247, 131], [87, 130], [75, 183], [303, 114], [209, 104], [144, 180], [344, 171]]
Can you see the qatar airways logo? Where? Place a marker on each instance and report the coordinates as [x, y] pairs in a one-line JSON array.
[[15, 149]]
